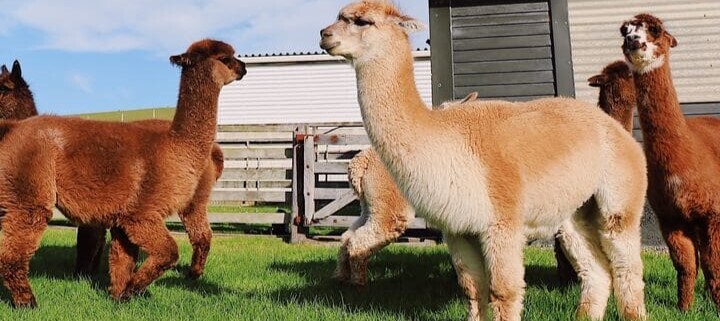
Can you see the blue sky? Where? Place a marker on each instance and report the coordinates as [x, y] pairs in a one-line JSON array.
[[89, 56]]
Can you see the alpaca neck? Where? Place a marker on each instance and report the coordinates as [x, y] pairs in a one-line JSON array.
[[613, 102], [625, 117], [664, 128], [391, 106], [195, 118]]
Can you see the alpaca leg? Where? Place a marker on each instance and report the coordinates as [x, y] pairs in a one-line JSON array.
[[580, 243], [123, 257], [383, 227], [710, 256], [620, 239], [154, 238], [90, 245], [684, 257], [565, 271], [342, 270], [22, 232], [471, 272], [503, 249], [195, 220]]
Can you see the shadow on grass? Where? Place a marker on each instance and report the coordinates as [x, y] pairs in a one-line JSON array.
[[200, 286], [401, 283], [58, 262], [414, 285]]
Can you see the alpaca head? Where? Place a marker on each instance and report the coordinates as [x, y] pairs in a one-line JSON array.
[[213, 54], [367, 29], [646, 43], [617, 89], [16, 100]]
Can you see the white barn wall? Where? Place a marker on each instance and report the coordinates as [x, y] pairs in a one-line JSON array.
[[695, 62], [301, 89]]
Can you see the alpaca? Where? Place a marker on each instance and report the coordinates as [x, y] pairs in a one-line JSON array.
[[617, 92], [487, 182], [18, 103], [617, 99], [16, 100], [385, 214], [124, 176], [682, 157]]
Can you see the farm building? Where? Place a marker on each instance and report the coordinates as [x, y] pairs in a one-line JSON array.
[[301, 88], [505, 49]]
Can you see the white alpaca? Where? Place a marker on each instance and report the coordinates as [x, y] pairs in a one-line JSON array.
[[385, 212], [491, 173]]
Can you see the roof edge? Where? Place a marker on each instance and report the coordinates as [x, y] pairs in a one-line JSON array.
[[310, 58]]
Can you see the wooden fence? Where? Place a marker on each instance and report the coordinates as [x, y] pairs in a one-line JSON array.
[[301, 165]]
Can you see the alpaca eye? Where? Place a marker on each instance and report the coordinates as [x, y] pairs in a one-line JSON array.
[[226, 60], [362, 23], [654, 30]]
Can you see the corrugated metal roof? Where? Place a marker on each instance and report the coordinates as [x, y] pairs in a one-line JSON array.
[[695, 61], [283, 90]]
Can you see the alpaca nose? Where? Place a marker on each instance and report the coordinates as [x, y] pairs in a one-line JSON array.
[[630, 38], [326, 33], [632, 43]]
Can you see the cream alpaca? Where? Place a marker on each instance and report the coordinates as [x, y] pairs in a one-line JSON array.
[[488, 182], [385, 212]]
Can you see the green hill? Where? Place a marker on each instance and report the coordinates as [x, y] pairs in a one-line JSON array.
[[132, 115]]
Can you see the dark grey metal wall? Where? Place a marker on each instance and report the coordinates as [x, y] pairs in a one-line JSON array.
[[512, 50]]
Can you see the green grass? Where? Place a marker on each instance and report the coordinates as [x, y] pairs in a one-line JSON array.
[[262, 278]]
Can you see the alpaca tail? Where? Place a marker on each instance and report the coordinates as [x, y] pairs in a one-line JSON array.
[[356, 170]]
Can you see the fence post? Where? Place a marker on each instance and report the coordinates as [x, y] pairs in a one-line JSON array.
[[294, 223], [309, 178]]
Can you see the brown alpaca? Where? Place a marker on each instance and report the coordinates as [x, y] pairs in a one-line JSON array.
[[125, 176], [683, 159], [16, 99], [17, 103], [617, 92]]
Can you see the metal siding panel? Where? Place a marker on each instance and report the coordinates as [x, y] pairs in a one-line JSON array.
[[695, 61], [502, 50], [300, 93]]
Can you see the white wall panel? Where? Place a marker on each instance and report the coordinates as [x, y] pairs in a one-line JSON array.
[[300, 91]]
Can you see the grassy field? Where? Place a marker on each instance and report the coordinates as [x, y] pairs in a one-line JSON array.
[[261, 278]]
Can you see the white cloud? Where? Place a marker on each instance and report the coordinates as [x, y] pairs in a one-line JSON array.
[[167, 27], [81, 81]]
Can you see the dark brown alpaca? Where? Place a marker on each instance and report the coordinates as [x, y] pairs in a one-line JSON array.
[[16, 102], [16, 99], [125, 176], [617, 92], [683, 160]]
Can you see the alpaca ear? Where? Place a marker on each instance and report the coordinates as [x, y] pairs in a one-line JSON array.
[[4, 69], [16, 71], [597, 80], [673, 41], [182, 60], [410, 25]]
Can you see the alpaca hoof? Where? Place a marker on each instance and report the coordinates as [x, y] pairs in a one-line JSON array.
[[128, 294], [30, 304], [341, 277], [360, 284], [193, 275]]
